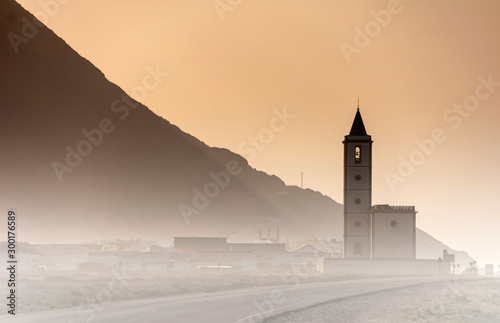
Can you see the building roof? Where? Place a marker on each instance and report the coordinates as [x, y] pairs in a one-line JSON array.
[[386, 208], [257, 247], [200, 243], [322, 246], [304, 248], [358, 127]]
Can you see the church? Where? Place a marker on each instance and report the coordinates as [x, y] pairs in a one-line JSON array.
[[378, 239], [378, 231]]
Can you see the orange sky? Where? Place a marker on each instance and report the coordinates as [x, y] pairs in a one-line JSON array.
[[226, 76]]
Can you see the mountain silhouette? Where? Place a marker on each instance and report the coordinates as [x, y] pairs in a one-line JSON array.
[[82, 160]]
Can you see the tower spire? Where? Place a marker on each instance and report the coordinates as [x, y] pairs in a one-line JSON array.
[[358, 127]]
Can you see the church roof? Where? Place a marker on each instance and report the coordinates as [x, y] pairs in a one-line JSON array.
[[358, 128]]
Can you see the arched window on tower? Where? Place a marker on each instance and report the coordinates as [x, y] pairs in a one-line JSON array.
[[357, 154]]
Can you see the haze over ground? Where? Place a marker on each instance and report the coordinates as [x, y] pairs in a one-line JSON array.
[[229, 70]]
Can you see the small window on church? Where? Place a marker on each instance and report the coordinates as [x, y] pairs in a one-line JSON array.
[[357, 154]]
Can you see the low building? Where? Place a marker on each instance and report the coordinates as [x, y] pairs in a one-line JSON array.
[[125, 245], [64, 256], [200, 244], [257, 247], [319, 248]]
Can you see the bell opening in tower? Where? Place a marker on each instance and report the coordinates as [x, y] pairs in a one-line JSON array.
[[357, 155]]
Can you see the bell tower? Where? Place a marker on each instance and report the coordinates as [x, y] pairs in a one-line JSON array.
[[357, 191]]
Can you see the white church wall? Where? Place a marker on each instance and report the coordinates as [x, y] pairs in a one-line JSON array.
[[393, 235]]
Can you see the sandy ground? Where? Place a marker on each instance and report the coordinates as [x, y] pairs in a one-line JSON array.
[[449, 301], [48, 291]]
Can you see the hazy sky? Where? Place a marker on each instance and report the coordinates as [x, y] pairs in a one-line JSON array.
[[412, 65]]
